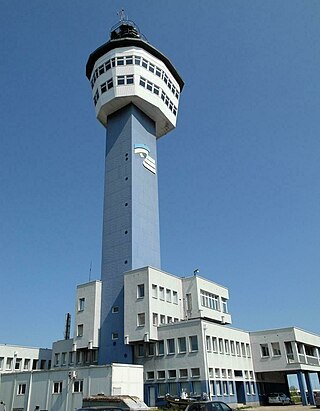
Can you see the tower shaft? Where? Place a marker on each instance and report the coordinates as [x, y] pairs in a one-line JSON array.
[[131, 220]]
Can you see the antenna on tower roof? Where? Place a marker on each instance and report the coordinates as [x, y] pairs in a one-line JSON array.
[[122, 15]]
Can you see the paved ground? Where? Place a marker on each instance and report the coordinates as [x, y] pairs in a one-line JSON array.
[[285, 408]]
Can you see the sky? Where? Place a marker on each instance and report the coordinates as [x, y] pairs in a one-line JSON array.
[[238, 177]]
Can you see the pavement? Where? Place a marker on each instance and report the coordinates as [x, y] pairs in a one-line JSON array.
[[282, 408]]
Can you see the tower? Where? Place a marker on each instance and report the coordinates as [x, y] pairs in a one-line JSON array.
[[135, 91]]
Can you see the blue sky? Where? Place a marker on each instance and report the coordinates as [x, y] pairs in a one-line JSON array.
[[238, 177]]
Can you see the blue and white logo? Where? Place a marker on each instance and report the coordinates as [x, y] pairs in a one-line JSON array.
[[148, 162]]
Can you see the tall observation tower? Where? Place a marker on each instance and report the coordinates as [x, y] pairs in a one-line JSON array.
[[135, 91]]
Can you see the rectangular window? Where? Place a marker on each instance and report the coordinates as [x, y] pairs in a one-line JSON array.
[[57, 387], [115, 309], [229, 373], [113, 62], [22, 389], [193, 341], [161, 375], [170, 346], [243, 350], [211, 375], [162, 319], [150, 375], [264, 350], [156, 89], [141, 319], [9, 363], [107, 65], [17, 365], [253, 389], [120, 80], [80, 330], [168, 295], [129, 60], [78, 386], [81, 304], [149, 85], [144, 63], [209, 300], [110, 83], [217, 372], [26, 365], [174, 297], [224, 303], [214, 344], [120, 61], [161, 293], [182, 345], [1, 362], [172, 374], [160, 347], [137, 60], [238, 348], [56, 359], [154, 291], [100, 70], [115, 336], [183, 373], [221, 346], [63, 358], [158, 72], [169, 319], [140, 350], [151, 67], [248, 350], [232, 348], [275, 349], [162, 390], [71, 357], [195, 372], [155, 319], [129, 79], [231, 390], [248, 388], [224, 373], [225, 387], [140, 290], [226, 347], [208, 343], [151, 349]]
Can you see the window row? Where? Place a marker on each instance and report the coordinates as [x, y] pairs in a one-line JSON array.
[[20, 364], [173, 374], [75, 357], [77, 386], [164, 294], [275, 349], [161, 319], [156, 90], [213, 301], [138, 61], [223, 346], [170, 346]]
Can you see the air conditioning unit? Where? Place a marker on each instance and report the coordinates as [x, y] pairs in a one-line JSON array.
[[72, 375]]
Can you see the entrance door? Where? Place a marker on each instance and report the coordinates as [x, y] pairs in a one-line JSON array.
[[152, 396], [241, 397]]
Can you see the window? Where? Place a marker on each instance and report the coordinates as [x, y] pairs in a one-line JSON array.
[[71, 357], [232, 349], [26, 365], [129, 60], [80, 330], [149, 85], [214, 344], [248, 388], [225, 388], [275, 349], [158, 72], [231, 390], [211, 375], [183, 373], [253, 389], [172, 374], [63, 358], [120, 61], [160, 347], [144, 63], [217, 372], [224, 303], [264, 350], [115, 336], [224, 373], [238, 348], [161, 293], [193, 341], [170, 346], [248, 350], [221, 346], [22, 389], [141, 319], [155, 319], [56, 359], [151, 349], [226, 347], [209, 300], [154, 291], [121, 80], [195, 372], [150, 375], [174, 297], [140, 290], [115, 309], [1, 362], [137, 60], [169, 319], [229, 373], [208, 343], [156, 90], [243, 350], [78, 386], [161, 375], [151, 67], [168, 295], [17, 365], [237, 373], [218, 388], [162, 390], [162, 319], [57, 387], [246, 374], [9, 363], [182, 345], [140, 350], [81, 304]]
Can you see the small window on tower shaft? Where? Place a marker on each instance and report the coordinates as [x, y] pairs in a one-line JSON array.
[[140, 290], [81, 304]]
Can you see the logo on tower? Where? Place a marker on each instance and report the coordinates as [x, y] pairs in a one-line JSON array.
[[149, 163]]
